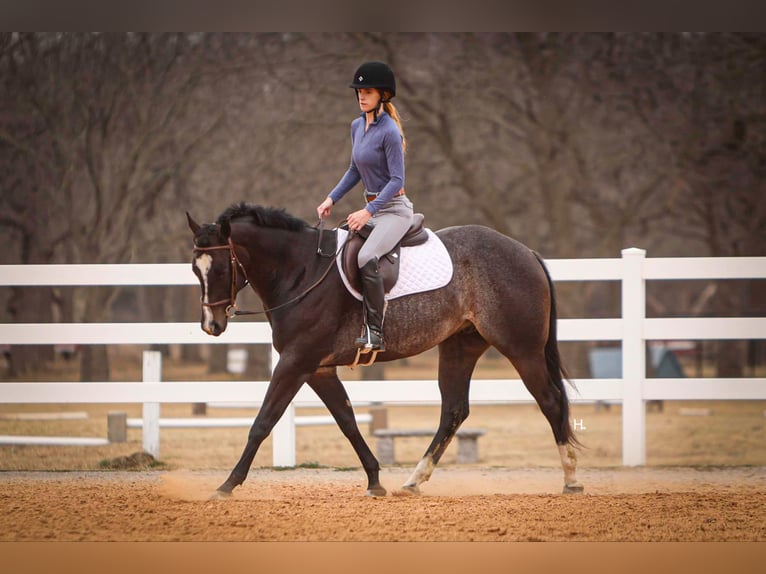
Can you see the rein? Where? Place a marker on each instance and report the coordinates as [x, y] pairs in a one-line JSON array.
[[231, 303]]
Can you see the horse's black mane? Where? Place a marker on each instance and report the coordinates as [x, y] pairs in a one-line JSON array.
[[264, 216]]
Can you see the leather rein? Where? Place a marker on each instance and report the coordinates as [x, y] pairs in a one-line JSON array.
[[231, 303]]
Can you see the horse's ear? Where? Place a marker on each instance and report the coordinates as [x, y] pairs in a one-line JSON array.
[[193, 225], [225, 229]]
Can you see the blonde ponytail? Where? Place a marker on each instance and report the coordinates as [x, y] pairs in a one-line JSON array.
[[390, 109]]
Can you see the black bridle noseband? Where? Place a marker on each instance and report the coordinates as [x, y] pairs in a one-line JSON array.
[[231, 303]]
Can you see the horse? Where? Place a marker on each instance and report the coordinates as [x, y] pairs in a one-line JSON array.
[[500, 295]]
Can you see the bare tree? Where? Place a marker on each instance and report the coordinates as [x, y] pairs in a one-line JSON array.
[[700, 97], [106, 123], [576, 144]]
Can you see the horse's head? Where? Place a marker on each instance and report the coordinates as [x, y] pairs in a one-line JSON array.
[[215, 266]]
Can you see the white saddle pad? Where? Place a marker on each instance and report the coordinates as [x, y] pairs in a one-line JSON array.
[[422, 268]]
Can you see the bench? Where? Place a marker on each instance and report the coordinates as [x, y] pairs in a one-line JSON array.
[[467, 443]]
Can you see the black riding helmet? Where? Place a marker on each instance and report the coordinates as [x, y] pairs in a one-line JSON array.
[[374, 75]]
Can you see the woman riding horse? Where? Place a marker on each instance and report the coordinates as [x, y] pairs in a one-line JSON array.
[[377, 159]]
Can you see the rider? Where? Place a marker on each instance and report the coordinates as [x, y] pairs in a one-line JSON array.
[[377, 158]]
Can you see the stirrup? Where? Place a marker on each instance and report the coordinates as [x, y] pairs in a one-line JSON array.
[[365, 344], [371, 354], [365, 347]]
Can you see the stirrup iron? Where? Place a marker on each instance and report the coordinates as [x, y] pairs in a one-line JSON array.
[[359, 352], [365, 341]]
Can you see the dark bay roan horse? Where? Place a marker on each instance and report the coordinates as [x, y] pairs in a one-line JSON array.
[[500, 295]]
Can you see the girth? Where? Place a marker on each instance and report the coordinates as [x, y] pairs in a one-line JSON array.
[[389, 263]]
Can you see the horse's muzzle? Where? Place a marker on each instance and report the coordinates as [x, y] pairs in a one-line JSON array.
[[213, 328]]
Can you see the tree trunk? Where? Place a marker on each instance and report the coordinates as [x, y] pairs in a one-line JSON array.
[[154, 300], [570, 302], [730, 356], [191, 354], [29, 305], [218, 359], [94, 363], [188, 308], [94, 359]]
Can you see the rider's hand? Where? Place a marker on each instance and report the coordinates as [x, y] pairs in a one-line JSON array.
[[358, 219], [324, 208]]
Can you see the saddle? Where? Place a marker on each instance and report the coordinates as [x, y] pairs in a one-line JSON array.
[[389, 263]]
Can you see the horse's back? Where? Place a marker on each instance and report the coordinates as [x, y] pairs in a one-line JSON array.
[[484, 246]]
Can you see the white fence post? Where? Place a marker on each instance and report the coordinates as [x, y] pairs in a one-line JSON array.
[[633, 358], [283, 439], [283, 433], [152, 373]]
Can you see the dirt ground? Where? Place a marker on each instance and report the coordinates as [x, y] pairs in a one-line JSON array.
[[646, 504], [705, 480]]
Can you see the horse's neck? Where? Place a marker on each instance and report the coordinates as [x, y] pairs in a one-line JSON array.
[[278, 259]]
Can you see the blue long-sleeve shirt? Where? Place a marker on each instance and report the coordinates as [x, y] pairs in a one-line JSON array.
[[377, 159]]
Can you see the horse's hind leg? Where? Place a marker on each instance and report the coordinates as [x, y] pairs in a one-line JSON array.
[[554, 404], [457, 358], [328, 387]]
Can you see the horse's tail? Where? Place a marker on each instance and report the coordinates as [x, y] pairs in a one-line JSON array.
[[556, 372]]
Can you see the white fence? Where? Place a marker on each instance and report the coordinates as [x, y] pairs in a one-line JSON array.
[[633, 329]]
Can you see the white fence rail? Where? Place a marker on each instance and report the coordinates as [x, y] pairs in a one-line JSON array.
[[633, 329]]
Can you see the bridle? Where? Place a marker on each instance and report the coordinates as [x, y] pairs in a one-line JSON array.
[[231, 303]]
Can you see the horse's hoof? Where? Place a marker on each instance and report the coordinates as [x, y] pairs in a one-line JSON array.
[[220, 495], [376, 491], [408, 490], [575, 488]]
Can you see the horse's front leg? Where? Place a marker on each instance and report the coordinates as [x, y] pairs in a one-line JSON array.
[[285, 382], [457, 358], [328, 387]]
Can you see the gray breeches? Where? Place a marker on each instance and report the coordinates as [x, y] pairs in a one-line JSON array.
[[391, 223]]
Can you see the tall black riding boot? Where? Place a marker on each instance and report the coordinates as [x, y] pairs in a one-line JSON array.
[[374, 307]]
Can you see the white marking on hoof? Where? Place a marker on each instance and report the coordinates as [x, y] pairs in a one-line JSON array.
[[219, 495], [568, 463], [422, 473]]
